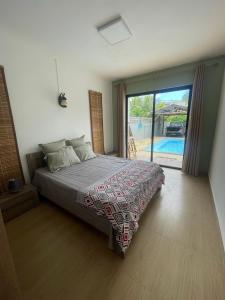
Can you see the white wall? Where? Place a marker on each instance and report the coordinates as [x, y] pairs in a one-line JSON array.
[[31, 79], [217, 168]]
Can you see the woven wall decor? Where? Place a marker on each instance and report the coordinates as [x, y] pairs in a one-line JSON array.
[[10, 165], [96, 114]]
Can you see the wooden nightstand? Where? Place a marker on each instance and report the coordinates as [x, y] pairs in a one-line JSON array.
[[14, 204], [113, 153]]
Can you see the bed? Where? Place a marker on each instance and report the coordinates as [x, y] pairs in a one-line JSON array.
[[110, 193]]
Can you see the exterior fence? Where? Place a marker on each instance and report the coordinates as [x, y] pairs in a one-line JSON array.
[[141, 127]]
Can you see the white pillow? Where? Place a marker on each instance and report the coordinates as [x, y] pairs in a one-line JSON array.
[[64, 157], [77, 142], [85, 152]]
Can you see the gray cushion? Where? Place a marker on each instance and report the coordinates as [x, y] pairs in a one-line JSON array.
[[57, 160], [85, 152], [52, 147], [77, 142], [62, 158], [71, 154]]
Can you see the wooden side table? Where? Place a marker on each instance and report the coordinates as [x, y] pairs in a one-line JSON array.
[[15, 204]]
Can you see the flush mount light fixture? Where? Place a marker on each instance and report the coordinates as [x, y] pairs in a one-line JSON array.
[[115, 31]]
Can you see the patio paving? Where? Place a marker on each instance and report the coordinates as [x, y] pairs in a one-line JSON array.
[[166, 159]]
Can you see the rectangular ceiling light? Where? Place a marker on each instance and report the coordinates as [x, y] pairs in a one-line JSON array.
[[115, 31]]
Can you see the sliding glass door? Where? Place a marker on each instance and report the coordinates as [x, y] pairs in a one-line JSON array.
[[157, 125], [139, 126]]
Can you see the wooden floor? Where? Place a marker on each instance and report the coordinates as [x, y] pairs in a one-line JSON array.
[[176, 254]]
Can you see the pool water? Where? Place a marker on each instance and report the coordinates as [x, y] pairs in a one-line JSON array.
[[172, 145]]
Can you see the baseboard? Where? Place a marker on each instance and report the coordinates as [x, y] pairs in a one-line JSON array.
[[216, 210]]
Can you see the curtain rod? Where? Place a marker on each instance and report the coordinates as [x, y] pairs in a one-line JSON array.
[[162, 73]]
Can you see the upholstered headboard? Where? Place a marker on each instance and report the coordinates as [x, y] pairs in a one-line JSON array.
[[34, 161]]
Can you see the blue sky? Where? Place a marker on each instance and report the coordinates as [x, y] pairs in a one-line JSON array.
[[176, 95]]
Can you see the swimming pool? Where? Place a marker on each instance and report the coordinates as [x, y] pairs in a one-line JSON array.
[[172, 145]]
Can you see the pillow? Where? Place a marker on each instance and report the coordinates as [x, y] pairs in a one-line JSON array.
[[64, 157], [71, 154], [76, 142], [52, 147], [85, 152], [57, 160]]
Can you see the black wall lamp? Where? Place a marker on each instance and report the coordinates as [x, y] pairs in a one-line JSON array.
[[62, 100]]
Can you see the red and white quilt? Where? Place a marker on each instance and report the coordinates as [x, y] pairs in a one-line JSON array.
[[123, 197]]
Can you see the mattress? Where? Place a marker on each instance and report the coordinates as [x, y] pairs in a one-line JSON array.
[[116, 189], [69, 183]]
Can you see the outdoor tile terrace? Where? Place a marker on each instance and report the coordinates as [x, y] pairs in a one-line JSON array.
[[166, 159]]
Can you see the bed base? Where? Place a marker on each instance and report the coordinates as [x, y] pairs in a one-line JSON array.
[[88, 215], [101, 223]]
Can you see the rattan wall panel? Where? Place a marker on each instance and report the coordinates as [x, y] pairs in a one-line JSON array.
[[96, 113], [10, 166]]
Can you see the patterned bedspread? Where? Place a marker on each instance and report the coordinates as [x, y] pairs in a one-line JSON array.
[[124, 196]]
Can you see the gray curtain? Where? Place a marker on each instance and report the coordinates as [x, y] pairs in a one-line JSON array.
[[192, 150], [121, 119]]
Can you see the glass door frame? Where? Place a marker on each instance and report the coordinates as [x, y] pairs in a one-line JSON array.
[[154, 93]]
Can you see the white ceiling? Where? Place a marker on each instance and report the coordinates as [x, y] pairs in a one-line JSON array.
[[165, 33]]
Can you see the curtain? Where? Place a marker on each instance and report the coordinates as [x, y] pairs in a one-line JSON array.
[[192, 150], [121, 119]]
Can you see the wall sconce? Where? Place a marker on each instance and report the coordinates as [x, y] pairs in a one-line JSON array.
[[62, 100]]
